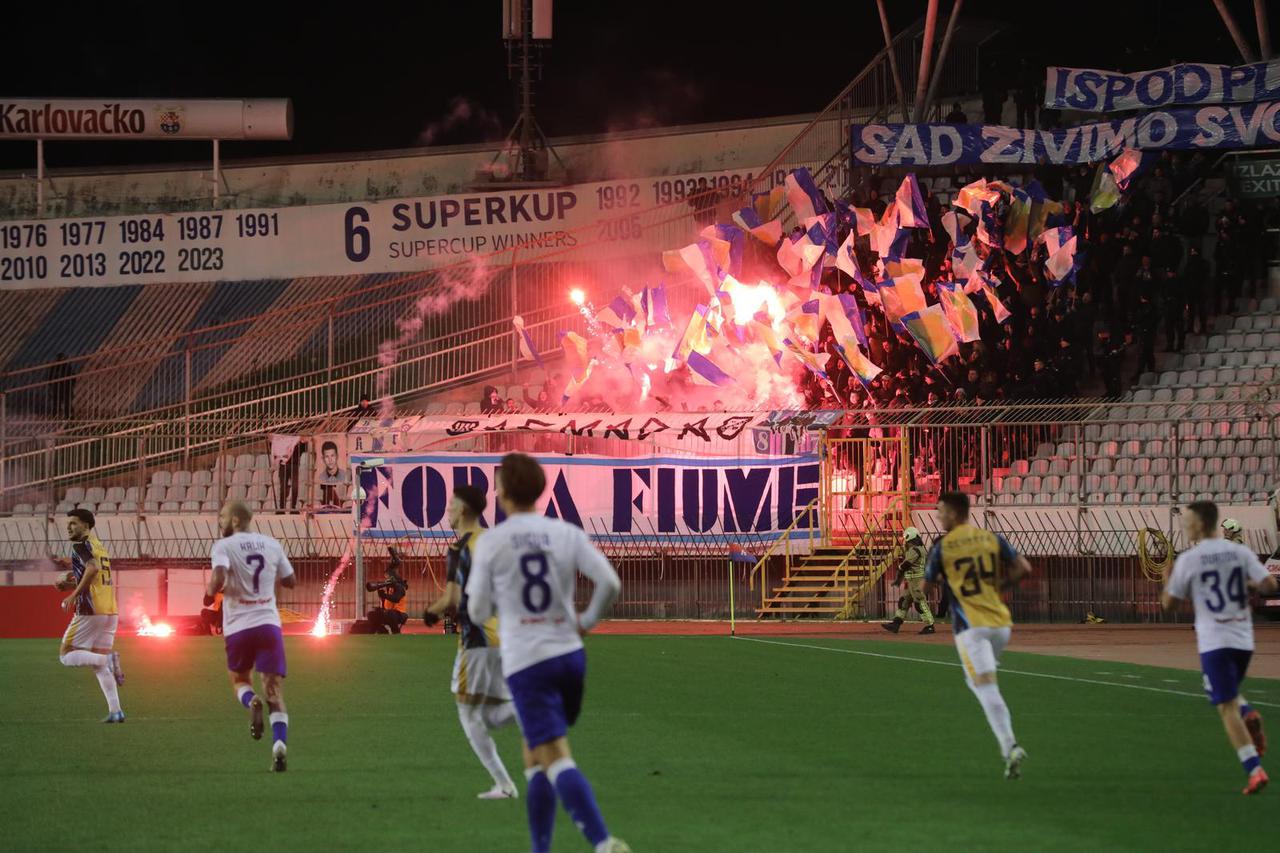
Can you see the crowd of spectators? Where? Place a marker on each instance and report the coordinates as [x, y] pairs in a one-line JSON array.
[[1150, 272]]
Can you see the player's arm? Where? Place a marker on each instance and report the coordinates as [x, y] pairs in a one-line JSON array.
[[480, 585], [1174, 591], [933, 568], [90, 571], [1260, 580], [595, 566], [1016, 566]]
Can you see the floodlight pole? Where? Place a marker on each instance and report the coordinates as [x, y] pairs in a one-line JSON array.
[[926, 58], [1264, 28], [217, 173], [893, 59], [40, 178], [942, 54], [1246, 52]]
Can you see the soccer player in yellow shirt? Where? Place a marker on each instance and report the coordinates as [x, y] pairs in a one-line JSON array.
[[92, 631], [976, 564]]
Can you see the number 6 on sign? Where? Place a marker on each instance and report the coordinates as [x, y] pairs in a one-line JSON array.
[[534, 568]]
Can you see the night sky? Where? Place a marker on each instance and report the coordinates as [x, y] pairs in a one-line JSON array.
[[375, 75]]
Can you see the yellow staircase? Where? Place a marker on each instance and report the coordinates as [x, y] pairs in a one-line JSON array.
[[831, 579]]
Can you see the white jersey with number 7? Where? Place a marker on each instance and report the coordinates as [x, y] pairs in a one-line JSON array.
[[1215, 575], [253, 562], [525, 570]]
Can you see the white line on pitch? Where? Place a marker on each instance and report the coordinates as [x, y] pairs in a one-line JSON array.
[[1003, 671]]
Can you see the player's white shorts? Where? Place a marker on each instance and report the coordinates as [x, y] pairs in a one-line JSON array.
[[980, 649], [90, 632], [477, 675]]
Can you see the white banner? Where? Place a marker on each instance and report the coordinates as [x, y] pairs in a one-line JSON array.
[[1186, 84], [114, 119], [397, 235], [651, 499]]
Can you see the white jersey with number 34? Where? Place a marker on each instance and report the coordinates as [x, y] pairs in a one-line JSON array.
[[253, 562], [525, 569], [1215, 575]]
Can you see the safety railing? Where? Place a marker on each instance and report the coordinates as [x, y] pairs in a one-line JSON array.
[[810, 532], [866, 562]]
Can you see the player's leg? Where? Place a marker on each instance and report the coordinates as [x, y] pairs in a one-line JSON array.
[[1253, 722], [269, 661], [1224, 669], [476, 727], [978, 655], [240, 654], [87, 642], [540, 802], [551, 750], [915, 587], [899, 615]]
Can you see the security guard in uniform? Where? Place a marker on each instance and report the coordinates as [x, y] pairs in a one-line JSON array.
[[911, 569], [1232, 531]]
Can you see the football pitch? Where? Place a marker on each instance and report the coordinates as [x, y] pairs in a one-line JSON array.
[[692, 743]]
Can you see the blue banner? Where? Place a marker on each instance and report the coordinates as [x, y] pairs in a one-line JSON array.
[[1220, 127], [1185, 84], [643, 498]]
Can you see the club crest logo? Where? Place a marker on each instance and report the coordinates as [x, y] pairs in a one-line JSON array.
[[170, 121]]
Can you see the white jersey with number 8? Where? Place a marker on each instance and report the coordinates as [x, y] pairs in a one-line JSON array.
[[1215, 575], [525, 570], [253, 562]]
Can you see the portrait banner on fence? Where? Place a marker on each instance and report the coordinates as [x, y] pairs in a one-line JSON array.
[[1203, 128], [645, 499], [1185, 84]]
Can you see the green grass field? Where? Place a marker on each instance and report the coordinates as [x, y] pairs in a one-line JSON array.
[[692, 744]]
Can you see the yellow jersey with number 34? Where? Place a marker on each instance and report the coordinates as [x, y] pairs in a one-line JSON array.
[[971, 562]]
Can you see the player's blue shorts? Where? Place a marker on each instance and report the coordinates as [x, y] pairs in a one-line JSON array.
[[1223, 670], [260, 647], [548, 696]]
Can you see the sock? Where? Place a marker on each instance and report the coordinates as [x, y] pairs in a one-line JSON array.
[[540, 803], [1245, 708], [579, 801], [245, 694], [997, 715], [1249, 759], [80, 657], [107, 681], [279, 728], [472, 719]]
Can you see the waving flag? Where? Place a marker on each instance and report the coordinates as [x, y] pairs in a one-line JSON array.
[[981, 282], [768, 204], [804, 196], [618, 314], [705, 371], [1126, 167], [797, 257], [932, 333], [695, 337], [1016, 222], [859, 364], [900, 290], [695, 258], [738, 555], [735, 239], [766, 336], [1104, 193], [653, 302], [910, 206], [821, 231], [846, 257], [815, 363], [960, 312], [575, 383], [1061, 245], [575, 352], [527, 348], [749, 220]]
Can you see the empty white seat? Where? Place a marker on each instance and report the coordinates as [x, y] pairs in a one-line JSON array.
[[1011, 484], [1241, 374], [237, 492], [1060, 466], [210, 505], [1127, 483], [1218, 483], [1110, 432], [1131, 448], [73, 495], [1031, 484], [23, 509], [1141, 465], [1185, 395], [1051, 484], [176, 493], [1020, 467], [196, 493], [1236, 482], [1070, 484], [1264, 447], [1193, 465], [1243, 323], [1092, 484], [257, 493], [1113, 498], [1257, 482], [115, 494], [1187, 377], [1146, 483], [132, 493], [127, 507], [1226, 447], [1101, 465], [1192, 360], [242, 477], [261, 476], [1164, 484], [170, 506], [202, 478], [1162, 395], [1066, 450], [1207, 376], [1123, 466], [262, 460], [244, 462], [1257, 357], [1265, 374], [155, 494], [1233, 340], [95, 495], [106, 508], [1142, 395], [1205, 395], [190, 506], [162, 478], [182, 478], [1159, 465], [1040, 467], [1044, 450], [1212, 359]]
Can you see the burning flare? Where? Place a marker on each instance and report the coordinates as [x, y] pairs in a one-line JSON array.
[[147, 628]]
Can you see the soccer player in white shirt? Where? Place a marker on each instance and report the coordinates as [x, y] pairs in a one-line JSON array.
[[246, 568], [1217, 576], [525, 570]]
